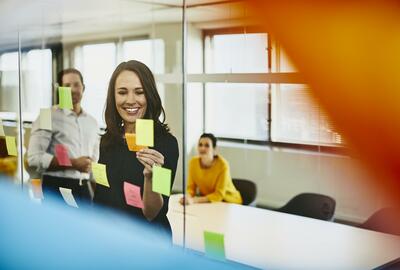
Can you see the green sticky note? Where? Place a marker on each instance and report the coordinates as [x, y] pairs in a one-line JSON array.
[[1, 128], [214, 245], [161, 180], [65, 98], [45, 119], [11, 146], [100, 174], [145, 132]]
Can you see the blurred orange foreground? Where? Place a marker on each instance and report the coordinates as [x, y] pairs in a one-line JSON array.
[[349, 53]]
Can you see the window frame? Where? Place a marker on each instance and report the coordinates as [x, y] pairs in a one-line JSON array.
[[340, 149], [55, 49]]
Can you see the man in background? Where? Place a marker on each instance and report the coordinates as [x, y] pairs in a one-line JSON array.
[[78, 132]]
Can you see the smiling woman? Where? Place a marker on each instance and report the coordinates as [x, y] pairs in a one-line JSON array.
[[130, 99], [132, 95], [209, 176]]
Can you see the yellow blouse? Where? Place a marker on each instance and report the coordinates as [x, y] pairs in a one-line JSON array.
[[214, 182]]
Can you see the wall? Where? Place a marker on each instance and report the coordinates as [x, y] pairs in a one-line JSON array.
[[280, 174]]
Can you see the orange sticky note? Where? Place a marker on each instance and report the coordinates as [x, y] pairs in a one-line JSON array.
[[36, 185], [132, 195], [131, 141]]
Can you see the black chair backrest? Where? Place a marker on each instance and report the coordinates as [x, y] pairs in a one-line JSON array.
[[386, 220], [247, 189], [310, 205]]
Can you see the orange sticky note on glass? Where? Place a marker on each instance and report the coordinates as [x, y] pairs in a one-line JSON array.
[[36, 185], [131, 141], [11, 146], [132, 195], [62, 155]]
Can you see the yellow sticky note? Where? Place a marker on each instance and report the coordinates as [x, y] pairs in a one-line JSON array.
[[161, 180], [45, 119], [65, 98], [131, 141], [11, 146], [145, 132], [100, 174], [1, 128]]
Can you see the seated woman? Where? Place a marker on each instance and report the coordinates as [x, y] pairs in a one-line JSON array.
[[132, 95], [209, 173]]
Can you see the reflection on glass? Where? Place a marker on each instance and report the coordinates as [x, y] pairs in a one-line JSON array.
[[37, 82], [9, 81], [236, 53], [297, 118], [237, 111], [9, 87], [149, 52], [96, 72]]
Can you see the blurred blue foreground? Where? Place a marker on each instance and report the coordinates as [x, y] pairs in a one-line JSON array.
[[55, 236]]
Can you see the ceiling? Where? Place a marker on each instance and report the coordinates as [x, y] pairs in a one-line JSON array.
[[75, 19]]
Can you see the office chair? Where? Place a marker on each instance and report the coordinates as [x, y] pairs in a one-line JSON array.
[[247, 189], [311, 205], [386, 220]]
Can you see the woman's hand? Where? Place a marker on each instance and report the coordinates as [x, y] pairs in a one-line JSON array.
[[152, 201], [188, 200], [148, 158]]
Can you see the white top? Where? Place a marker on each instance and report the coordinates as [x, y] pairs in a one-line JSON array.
[[80, 133], [272, 240]]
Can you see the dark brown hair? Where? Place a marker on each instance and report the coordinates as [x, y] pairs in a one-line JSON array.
[[114, 129], [67, 71], [60, 76], [211, 137]]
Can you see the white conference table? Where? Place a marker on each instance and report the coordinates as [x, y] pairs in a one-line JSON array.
[[272, 240]]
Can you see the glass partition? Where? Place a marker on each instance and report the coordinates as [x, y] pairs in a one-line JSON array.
[[273, 134], [216, 72], [10, 156]]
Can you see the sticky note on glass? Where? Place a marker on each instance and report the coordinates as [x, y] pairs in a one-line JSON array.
[[1, 128], [214, 245], [36, 185], [132, 195], [100, 174], [68, 197], [145, 132], [65, 98], [11, 146], [161, 180], [45, 119], [61, 152], [131, 141]]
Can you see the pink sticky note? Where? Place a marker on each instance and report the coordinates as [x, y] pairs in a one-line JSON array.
[[62, 155], [132, 195]]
